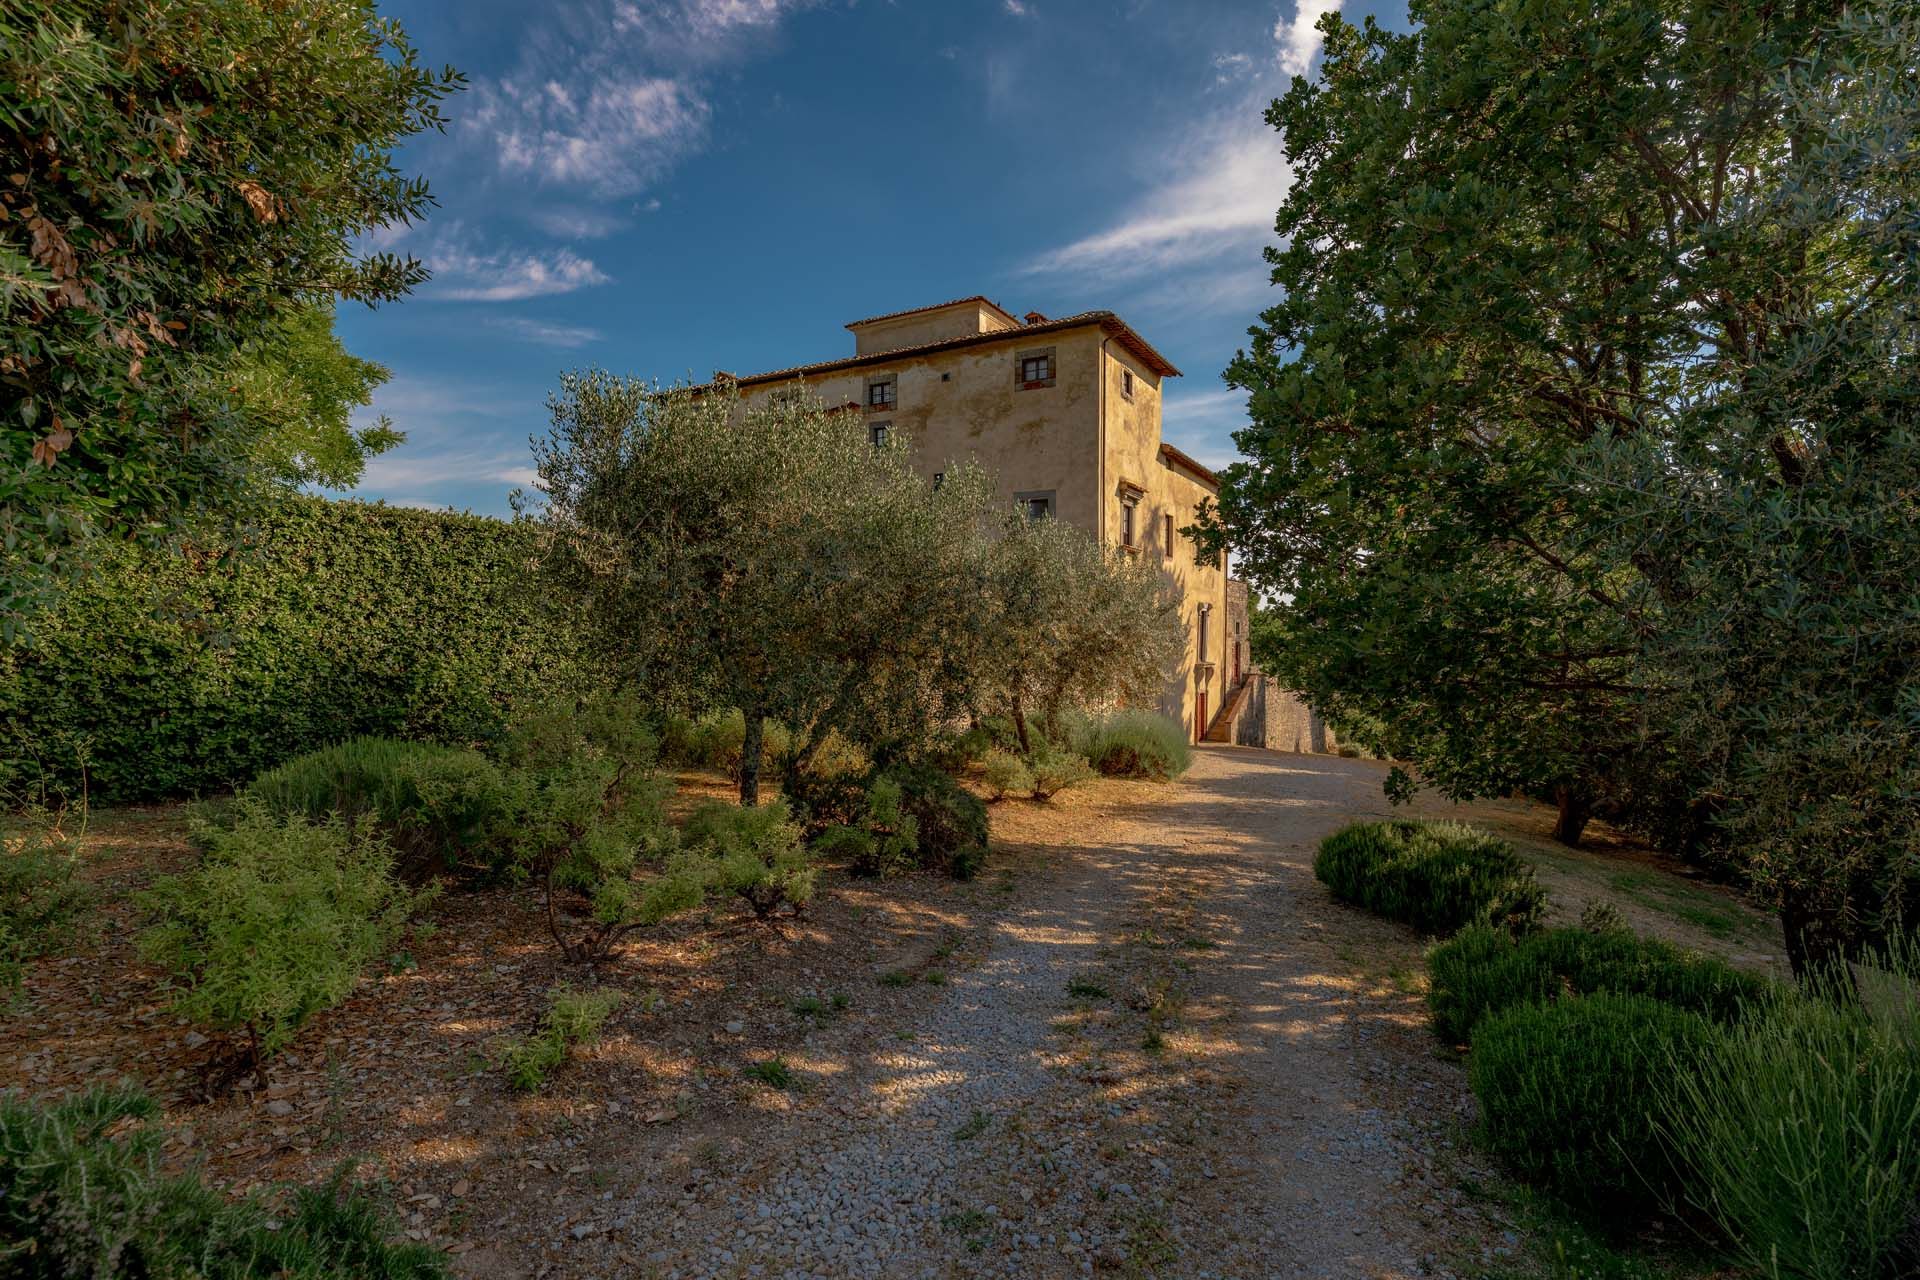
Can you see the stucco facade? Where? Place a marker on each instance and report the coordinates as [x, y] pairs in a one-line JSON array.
[[1066, 413]]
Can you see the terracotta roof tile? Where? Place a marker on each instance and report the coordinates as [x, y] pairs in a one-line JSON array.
[[1178, 459], [938, 306], [1107, 320]]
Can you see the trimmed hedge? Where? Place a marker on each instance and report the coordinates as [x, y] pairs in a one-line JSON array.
[[1482, 971], [180, 673], [1438, 877], [1569, 1092]]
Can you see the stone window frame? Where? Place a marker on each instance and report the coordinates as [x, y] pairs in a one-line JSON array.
[[891, 397], [878, 433], [1130, 495], [1126, 383], [1026, 498], [1020, 359]]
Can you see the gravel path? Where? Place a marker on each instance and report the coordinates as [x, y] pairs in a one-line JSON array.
[[1237, 1084]]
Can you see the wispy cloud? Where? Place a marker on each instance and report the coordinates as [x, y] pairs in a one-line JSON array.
[[545, 333], [465, 274], [610, 95], [1223, 200], [1297, 39], [578, 224], [1018, 9], [1229, 67], [465, 448]]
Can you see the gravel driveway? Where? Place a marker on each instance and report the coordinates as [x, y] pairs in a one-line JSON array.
[[1173, 1056]]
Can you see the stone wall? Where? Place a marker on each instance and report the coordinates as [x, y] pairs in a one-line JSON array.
[[1276, 718]]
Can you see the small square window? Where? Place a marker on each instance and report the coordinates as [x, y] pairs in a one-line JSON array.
[[879, 433], [1036, 370], [939, 478], [880, 394], [1036, 505], [1126, 383]]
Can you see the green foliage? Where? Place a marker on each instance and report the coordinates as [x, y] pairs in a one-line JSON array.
[[437, 803], [950, 820], [1586, 426], [299, 387], [1567, 1092], [181, 178], [277, 922], [1133, 744], [1007, 774], [574, 1018], [1483, 970], [582, 812], [716, 741], [88, 1195], [887, 839], [1054, 770], [754, 853], [42, 902], [1071, 623], [337, 620], [1802, 1127], [766, 556], [1438, 877], [772, 1072]]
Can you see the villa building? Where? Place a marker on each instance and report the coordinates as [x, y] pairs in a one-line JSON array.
[[1067, 414]]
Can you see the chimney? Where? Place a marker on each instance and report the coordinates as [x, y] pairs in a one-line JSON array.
[[1034, 317]]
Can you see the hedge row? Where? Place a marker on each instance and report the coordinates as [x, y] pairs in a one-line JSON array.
[[181, 674]]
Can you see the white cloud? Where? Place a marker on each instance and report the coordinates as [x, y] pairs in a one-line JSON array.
[[465, 447], [1223, 201], [1298, 41], [610, 94], [546, 334], [1017, 9], [616, 134], [1229, 67], [577, 224], [462, 274]]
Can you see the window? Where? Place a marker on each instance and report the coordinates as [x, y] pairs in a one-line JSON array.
[[1035, 505], [1126, 383], [880, 393], [1205, 611], [879, 432], [1168, 518], [939, 478], [1126, 521], [1034, 368], [1130, 495]]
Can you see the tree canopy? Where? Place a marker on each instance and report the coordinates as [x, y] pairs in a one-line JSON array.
[[1593, 314], [177, 179]]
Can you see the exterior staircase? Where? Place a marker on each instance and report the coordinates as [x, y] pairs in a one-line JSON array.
[[1221, 729]]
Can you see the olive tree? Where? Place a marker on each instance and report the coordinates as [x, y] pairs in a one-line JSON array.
[[764, 555], [175, 179], [1071, 623]]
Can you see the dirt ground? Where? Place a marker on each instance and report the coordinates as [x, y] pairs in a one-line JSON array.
[[1143, 1042]]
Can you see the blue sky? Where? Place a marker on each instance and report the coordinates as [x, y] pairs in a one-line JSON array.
[[669, 187]]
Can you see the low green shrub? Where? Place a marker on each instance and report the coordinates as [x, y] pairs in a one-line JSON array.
[[574, 1018], [951, 821], [829, 789], [1055, 770], [1802, 1127], [961, 751], [1007, 774], [1136, 744], [1568, 1090], [755, 854], [437, 805], [277, 922], [583, 812], [1438, 877], [86, 1193], [42, 901], [886, 840], [1483, 970]]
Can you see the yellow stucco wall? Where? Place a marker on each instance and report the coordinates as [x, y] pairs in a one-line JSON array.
[[1079, 440]]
